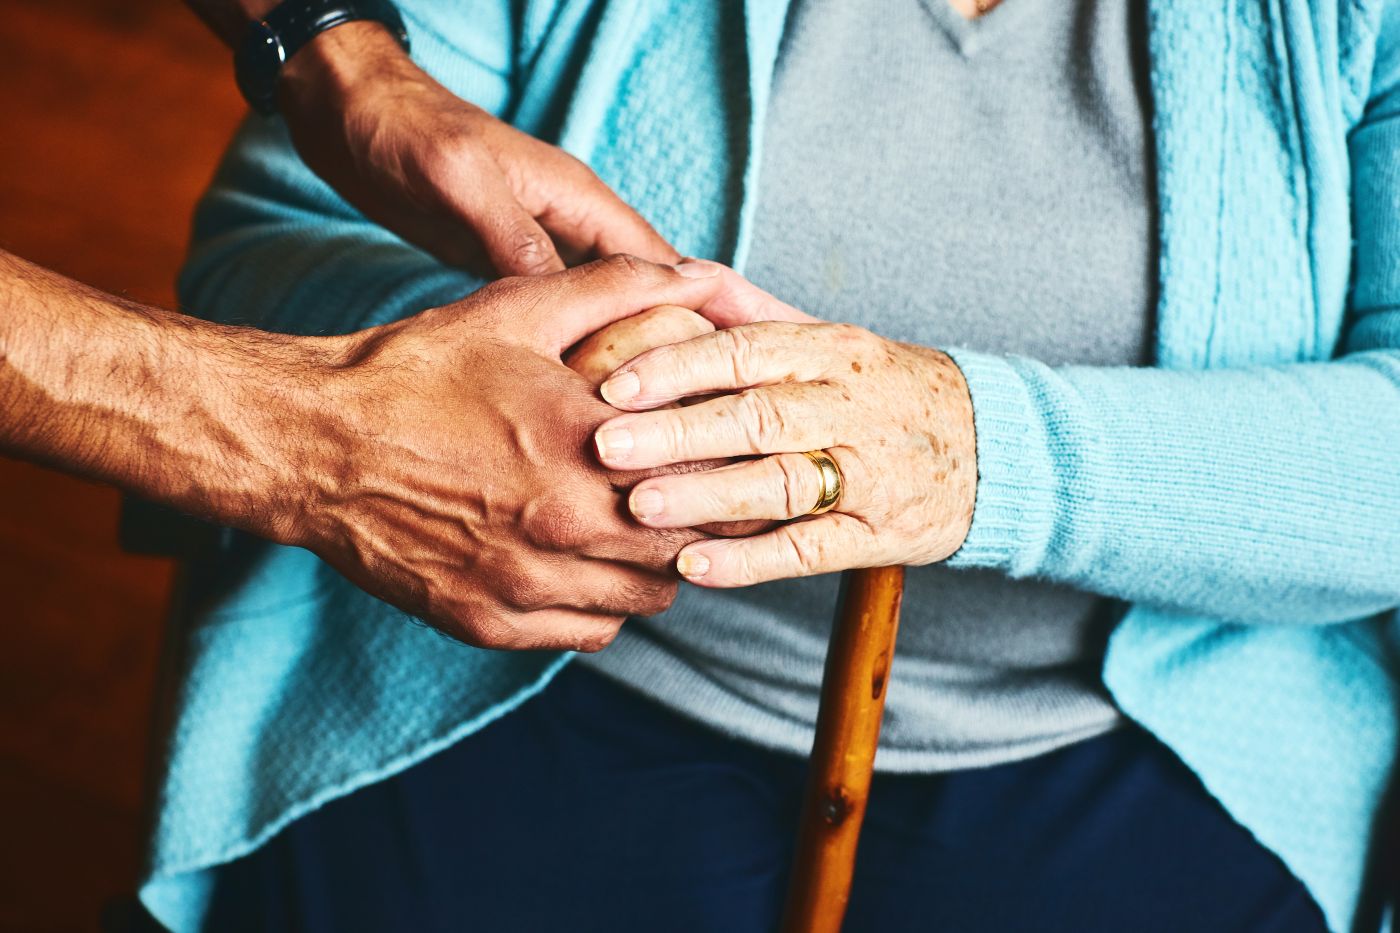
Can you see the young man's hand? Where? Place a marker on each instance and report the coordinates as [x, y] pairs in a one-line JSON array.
[[453, 472], [444, 463], [443, 174]]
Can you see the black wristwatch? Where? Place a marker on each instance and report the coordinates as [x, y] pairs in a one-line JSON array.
[[277, 37]]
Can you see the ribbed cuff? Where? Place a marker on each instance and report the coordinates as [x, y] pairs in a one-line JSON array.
[[1014, 515]]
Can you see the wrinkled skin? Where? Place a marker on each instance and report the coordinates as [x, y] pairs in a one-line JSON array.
[[598, 355], [896, 419]]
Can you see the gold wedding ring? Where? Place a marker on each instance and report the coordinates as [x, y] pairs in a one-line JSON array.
[[832, 484]]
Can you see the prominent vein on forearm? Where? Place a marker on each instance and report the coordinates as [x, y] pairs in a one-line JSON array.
[[191, 413]]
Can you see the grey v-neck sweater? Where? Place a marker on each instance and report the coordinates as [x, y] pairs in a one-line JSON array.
[[983, 184]]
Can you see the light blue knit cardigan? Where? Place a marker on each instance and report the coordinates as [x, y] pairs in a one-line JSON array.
[[1243, 495]]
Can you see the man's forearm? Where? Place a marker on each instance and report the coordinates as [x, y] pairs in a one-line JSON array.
[[210, 419]]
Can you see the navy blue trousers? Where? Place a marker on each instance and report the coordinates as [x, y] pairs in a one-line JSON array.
[[592, 809]]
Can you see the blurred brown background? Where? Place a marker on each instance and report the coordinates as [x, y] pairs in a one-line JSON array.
[[112, 114]]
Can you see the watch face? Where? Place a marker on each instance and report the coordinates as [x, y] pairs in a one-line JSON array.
[[257, 64], [289, 26]]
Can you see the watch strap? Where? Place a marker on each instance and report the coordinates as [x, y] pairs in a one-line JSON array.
[[287, 28]]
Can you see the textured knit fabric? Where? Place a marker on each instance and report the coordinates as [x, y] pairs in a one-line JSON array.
[[1013, 150], [1242, 495], [547, 808]]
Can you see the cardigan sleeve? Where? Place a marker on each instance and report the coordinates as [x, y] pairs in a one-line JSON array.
[[276, 248], [1254, 494]]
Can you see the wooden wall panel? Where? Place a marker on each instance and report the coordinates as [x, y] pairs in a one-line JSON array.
[[112, 115]]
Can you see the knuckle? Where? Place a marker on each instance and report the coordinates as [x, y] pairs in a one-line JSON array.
[[505, 293], [850, 341], [522, 589], [580, 170], [487, 629], [805, 554], [629, 268], [795, 474], [531, 593], [652, 550], [679, 437], [595, 641], [672, 437], [746, 571], [872, 498], [652, 599], [764, 422], [528, 594], [740, 350], [528, 248], [849, 333], [556, 526]]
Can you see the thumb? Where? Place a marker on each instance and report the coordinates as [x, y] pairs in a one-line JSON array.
[[589, 297], [515, 244], [737, 301]]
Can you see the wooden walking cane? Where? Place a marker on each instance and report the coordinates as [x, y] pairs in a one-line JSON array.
[[843, 754], [853, 685]]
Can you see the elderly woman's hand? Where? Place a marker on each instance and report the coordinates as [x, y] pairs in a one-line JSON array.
[[595, 358], [597, 355], [895, 418]]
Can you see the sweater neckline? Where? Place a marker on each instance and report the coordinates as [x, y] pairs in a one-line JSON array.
[[970, 36]]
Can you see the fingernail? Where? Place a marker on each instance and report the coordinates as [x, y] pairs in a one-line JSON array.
[[694, 269], [614, 443], [692, 566], [621, 387], [647, 503]]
